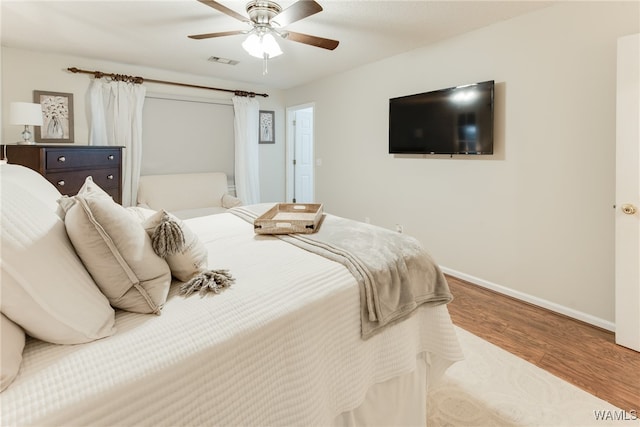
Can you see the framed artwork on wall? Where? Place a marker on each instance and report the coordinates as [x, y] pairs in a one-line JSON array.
[[57, 117], [267, 129]]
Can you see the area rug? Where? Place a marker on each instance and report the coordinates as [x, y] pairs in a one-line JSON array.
[[492, 387]]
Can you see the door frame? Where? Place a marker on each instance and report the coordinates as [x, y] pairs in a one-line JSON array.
[[290, 145]]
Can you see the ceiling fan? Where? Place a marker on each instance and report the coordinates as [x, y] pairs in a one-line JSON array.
[[266, 18]]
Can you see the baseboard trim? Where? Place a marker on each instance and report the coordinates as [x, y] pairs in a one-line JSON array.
[[575, 314]]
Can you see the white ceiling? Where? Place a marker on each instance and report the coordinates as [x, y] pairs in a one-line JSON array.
[[154, 33]]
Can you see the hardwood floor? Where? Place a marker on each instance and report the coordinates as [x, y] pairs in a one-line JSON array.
[[581, 354]]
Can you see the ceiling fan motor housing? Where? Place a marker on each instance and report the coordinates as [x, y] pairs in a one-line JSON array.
[[262, 11]]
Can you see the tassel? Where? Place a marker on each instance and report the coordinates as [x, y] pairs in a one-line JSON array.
[[208, 281], [168, 237]]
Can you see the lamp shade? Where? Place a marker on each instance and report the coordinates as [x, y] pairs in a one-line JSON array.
[[262, 46], [270, 46], [25, 113]]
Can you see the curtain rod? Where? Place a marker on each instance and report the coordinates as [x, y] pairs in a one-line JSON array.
[[139, 80]]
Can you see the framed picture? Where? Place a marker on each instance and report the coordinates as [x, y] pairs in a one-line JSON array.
[[57, 117], [267, 127]]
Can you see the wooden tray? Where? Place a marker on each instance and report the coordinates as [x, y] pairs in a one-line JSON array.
[[287, 218]]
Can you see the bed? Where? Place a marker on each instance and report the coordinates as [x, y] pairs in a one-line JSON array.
[[282, 345]]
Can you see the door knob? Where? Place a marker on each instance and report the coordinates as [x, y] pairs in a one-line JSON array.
[[629, 209]]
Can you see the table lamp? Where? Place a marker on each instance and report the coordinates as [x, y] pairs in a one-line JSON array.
[[25, 113]]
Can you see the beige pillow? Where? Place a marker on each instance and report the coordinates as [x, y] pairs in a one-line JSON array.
[[116, 250], [228, 201], [192, 259], [45, 288], [11, 346]]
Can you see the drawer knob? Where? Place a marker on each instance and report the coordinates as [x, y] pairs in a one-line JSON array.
[[110, 157], [109, 176], [61, 183], [62, 159]]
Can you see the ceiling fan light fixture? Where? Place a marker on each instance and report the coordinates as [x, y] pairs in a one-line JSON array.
[[262, 46], [266, 17]]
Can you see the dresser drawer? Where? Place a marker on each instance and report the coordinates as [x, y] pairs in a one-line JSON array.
[[69, 183], [81, 158]]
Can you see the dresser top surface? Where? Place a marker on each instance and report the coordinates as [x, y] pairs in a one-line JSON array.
[[72, 146]]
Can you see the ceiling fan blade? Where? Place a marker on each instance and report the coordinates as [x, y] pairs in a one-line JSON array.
[[224, 9], [296, 12], [212, 35], [312, 40]]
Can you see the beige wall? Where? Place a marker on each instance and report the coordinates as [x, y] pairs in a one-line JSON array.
[[24, 71], [535, 219]]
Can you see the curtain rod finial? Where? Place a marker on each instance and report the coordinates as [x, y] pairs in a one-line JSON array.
[[249, 94]]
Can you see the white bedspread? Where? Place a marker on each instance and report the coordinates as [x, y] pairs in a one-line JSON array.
[[282, 346]]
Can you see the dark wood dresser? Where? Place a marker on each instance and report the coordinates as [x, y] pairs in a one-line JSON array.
[[66, 167]]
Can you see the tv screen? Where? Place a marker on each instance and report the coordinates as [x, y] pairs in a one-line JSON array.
[[456, 120]]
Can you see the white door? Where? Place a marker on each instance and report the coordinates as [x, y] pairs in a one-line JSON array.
[[303, 156], [627, 216]]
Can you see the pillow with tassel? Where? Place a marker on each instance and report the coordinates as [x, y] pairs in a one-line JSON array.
[[185, 253], [116, 250]]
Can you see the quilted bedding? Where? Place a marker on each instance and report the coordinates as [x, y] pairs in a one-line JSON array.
[[282, 346]]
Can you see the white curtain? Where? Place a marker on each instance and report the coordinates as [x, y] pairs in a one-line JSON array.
[[247, 166], [116, 119]]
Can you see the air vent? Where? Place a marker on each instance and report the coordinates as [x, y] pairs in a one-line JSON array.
[[219, 60]]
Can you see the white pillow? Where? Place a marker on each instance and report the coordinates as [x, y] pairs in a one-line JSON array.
[[141, 214], [11, 345], [116, 250], [192, 259], [45, 288]]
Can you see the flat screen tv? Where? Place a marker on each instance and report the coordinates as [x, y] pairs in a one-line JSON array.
[[456, 120]]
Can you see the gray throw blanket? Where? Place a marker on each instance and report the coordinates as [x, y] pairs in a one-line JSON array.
[[395, 273]]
